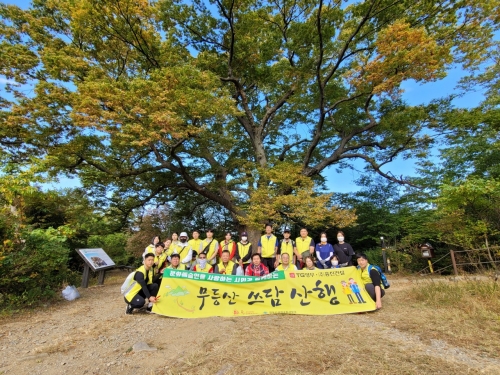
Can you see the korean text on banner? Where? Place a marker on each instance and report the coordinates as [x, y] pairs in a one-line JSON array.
[[187, 294]]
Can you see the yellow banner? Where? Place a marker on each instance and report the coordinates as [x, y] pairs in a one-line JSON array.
[[187, 294]]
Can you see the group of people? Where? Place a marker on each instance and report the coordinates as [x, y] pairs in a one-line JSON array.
[[238, 258]]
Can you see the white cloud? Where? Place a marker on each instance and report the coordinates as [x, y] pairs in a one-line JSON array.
[[5, 81]]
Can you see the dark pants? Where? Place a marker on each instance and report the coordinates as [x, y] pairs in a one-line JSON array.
[[328, 264], [370, 288], [269, 263], [140, 298]]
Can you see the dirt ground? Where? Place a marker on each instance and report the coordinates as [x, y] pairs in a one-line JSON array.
[[92, 335]]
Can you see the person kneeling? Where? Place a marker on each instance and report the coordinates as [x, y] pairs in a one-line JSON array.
[[371, 280], [144, 288]]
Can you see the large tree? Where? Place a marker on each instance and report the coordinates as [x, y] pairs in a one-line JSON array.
[[236, 101]]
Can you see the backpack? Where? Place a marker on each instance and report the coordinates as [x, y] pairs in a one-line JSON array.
[[383, 278], [128, 284]]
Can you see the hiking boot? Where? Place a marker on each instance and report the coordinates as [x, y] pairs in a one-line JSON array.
[[129, 309]]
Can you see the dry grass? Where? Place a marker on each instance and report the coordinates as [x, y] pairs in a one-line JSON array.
[[464, 314], [307, 345]]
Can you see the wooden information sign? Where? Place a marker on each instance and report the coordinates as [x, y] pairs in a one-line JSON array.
[[98, 260]]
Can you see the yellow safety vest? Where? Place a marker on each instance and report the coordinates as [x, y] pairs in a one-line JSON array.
[[181, 267], [159, 259], [243, 251], [287, 248], [303, 244], [212, 249], [207, 268], [137, 287], [195, 245], [268, 246], [171, 248], [150, 249], [229, 268], [182, 251], [365, 276], [227, 246], [290, 268]]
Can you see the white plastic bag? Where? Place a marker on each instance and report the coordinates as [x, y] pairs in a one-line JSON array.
[[239, 271], [70, 293]]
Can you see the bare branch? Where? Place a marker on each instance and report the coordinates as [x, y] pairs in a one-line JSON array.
[[289, 147]]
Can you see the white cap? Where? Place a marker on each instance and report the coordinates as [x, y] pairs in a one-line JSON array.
[[184, 234]]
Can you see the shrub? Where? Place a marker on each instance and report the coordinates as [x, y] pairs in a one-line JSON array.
[[35, 268], [114, 245]]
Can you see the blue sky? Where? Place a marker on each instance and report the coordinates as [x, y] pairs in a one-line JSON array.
[[344, 182]]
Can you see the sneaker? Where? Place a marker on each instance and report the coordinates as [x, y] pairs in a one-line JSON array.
[[129, 309], [149, 308]]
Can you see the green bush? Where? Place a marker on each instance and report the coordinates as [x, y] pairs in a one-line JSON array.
[[114, 245], [34, 269]]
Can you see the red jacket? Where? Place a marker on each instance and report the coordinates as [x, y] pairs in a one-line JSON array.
[[259, 270]]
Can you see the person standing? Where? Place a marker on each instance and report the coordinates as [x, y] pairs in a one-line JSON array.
[[243, 251], [144, 288], [256, 268], [227, 245], [324, 252], [210, 246], [287, 246], [173, 244], [343, 251], [305, 247], [184, 250], [268, 247], [151, 247], [195, 243]]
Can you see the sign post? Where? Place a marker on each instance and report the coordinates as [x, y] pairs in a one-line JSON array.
[[97, 260]]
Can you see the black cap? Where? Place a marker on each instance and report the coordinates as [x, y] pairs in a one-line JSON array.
[[286, 230], [244, 234]]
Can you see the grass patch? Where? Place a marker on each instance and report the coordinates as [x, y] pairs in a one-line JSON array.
[[465, 314], [478, 299]]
